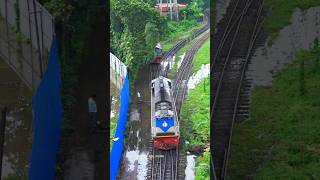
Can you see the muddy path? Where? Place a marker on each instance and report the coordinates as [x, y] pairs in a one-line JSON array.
[[134, 158], [87, 156]]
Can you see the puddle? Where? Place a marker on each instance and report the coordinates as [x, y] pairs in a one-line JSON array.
[[137, 163], [300, 34], [198, 76], [181, 60], [135, 155], [168, 64], [134, 115], [190, 169]]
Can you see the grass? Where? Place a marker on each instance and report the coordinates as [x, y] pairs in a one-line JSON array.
[[281, 11], [202, 56], [113, 125], [178, 31], [281, 138], [113, 121], [203, 167], [195, 112]]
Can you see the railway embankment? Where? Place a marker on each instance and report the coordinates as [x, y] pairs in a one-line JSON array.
[[195, 115], [278, 140], [280, 13], [178, 31], [281, 137], [179, 56]]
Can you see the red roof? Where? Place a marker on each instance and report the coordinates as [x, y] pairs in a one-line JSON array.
[[164, 7]]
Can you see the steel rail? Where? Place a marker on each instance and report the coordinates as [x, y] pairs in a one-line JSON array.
[[229, 30], [225, 64], [187, 62], [225, 32], [251, 45], [254, 36]]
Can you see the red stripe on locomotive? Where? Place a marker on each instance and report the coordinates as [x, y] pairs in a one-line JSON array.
[[166, 143]]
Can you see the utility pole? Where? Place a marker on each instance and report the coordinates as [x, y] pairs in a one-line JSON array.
[[176, 8], [170, 7], [160, 6], [2, 135]]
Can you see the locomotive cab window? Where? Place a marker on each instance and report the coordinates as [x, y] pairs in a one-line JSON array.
[[169, 83], [152, 88]]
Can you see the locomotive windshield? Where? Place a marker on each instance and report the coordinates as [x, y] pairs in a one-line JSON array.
[[158, 51]]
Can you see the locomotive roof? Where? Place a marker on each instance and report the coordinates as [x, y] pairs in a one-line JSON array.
[[162, 90], [158, 46]]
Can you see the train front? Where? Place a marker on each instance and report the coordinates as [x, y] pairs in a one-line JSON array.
[[165, 126], [158, 54]]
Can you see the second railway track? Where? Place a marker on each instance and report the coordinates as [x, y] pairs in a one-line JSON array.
[[236, 38], [164, 165]]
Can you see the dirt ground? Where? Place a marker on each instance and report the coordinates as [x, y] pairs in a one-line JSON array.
[[134, 159]]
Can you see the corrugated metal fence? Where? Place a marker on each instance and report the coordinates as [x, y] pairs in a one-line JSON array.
[[118, 71]]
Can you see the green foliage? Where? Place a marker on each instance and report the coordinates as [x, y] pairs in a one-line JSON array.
[[113, 125], [195, 112], [202, 56], [281, 11], [134, 24], [60, 9], [174, 28], [151, 37], [194, 10], [281, 138], [203, 167], [73, 23], [126, 46]]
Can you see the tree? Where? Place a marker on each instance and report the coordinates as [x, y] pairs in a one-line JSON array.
[[194, 10], [135, 29], [151, 37]]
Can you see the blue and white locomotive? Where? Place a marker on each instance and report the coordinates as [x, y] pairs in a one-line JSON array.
[[164, 120]]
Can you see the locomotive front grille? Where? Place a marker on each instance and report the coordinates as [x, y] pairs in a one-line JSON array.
[[166, 134]]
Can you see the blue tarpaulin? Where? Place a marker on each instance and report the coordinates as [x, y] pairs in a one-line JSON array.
[[47, 109], [117, 147]]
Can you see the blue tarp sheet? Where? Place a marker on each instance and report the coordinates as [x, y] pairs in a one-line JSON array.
[[47, 109], [117, 147]]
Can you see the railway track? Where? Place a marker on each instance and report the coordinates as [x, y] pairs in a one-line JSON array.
[[164, 165], [172, 51], [236, 36], [181, 79]]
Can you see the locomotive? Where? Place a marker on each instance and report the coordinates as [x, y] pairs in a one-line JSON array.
[[164, 120], [158, 54]]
